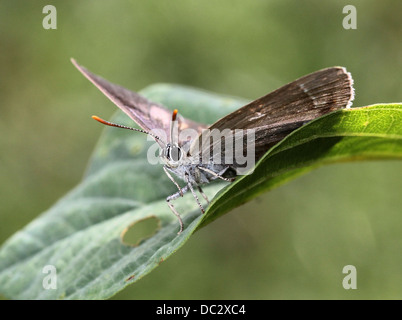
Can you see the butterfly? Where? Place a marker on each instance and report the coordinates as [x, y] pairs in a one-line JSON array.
[[268, 120]]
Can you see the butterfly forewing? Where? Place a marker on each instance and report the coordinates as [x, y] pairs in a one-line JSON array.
[[147, 114]]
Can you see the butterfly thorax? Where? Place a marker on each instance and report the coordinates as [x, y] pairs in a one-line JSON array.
[[188, 168], [197, 174]]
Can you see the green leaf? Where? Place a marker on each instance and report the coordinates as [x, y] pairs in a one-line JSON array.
[[84, 235]]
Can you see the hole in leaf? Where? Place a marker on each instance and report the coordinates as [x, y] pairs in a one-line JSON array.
[[139, 231]]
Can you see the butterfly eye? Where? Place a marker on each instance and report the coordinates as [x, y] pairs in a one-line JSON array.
[[173, 153]]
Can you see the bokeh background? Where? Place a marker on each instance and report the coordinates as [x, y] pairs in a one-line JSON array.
[[291, 243]]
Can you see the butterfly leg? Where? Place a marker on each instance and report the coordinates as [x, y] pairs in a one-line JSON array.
[[216, 175], [177, 194], [203, 194], [173, 197], [176, 214], [193, 192], [171, 179]]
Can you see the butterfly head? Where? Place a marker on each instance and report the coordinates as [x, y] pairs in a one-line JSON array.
[[172, 155]]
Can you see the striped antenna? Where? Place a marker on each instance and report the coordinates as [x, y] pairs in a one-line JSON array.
[[125, 127]]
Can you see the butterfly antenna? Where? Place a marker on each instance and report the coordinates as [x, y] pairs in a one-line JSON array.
[[174, 116], [172, 126], [124, 127]]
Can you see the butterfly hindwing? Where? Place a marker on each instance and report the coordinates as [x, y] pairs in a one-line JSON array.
[[275, 115]]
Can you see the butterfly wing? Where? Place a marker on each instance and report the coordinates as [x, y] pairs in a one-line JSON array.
[[280, 112], [147, 114]]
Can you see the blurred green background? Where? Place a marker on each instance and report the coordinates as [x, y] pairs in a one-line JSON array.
[[290, 243]]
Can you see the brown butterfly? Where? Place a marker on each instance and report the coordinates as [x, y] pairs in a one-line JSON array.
[[268, 120]]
